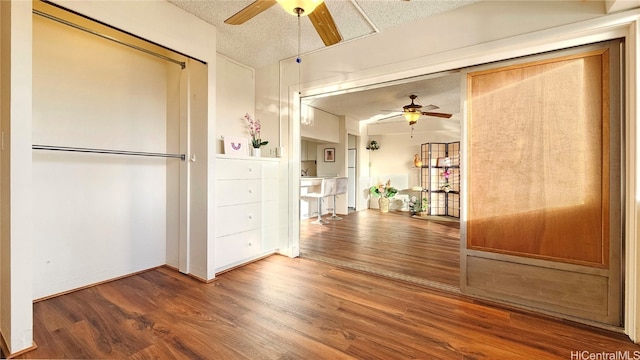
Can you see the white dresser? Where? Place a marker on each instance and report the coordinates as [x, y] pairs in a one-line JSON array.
[[246, 209]]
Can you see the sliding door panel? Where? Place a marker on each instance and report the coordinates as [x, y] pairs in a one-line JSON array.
[[543, 152]]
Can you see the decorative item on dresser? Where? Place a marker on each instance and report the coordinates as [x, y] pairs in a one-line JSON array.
[[254, 132], [246, 203], [236, 146]]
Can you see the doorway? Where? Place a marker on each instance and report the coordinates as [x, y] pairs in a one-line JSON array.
[[397, 244]]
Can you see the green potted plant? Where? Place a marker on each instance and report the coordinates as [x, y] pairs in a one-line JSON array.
[[417, 205]]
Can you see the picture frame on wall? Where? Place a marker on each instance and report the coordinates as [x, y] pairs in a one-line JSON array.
[[330, 155], [236, 146]]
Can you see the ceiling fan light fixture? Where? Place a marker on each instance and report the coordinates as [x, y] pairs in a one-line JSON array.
[[293, 6], [411, 116]]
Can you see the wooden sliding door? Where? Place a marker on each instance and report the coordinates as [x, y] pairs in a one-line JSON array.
[[543, 227]]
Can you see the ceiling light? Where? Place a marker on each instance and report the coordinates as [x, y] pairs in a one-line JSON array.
[[411, 116], [293, 6]]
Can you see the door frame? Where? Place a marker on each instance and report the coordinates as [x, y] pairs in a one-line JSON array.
[[355, 175]]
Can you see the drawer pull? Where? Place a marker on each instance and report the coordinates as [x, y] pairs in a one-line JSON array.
[[250, 243], [250, 216], [250, 169], [250, 191]]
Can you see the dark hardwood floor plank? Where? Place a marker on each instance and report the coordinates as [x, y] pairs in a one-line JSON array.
[[282, 308]]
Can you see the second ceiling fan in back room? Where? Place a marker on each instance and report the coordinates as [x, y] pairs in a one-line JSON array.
[[316, 10], [412, 112]]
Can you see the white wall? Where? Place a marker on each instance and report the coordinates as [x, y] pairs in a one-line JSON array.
[[235, 98], [319, 125], [96, 217]]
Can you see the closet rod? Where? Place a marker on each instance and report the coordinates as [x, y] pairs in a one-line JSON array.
[[105, 151], [65, 22]]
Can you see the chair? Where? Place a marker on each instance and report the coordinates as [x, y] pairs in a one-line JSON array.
[[340, 188], [320, 191]]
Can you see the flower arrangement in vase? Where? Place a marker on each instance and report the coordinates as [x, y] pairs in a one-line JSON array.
[[385, 192], [254, 132]]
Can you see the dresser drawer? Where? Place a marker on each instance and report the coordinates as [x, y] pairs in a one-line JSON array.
[[238, 218], [234, 192], [238, 169], [234, 249]]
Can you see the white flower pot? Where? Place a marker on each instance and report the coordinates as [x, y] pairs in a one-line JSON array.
[[255, 152]]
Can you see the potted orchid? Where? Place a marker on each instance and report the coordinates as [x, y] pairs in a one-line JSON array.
[[447, 186], [254, 132]]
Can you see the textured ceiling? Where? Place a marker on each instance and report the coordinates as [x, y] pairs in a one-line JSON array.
[[273, 35]]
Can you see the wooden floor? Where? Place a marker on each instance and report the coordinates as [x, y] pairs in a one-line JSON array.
[[282, 308], [391, 244]]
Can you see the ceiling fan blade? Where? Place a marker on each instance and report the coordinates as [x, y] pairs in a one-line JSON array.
[[249, 12], [429, 107], [389, 117], [440, 115], [325, 26]]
